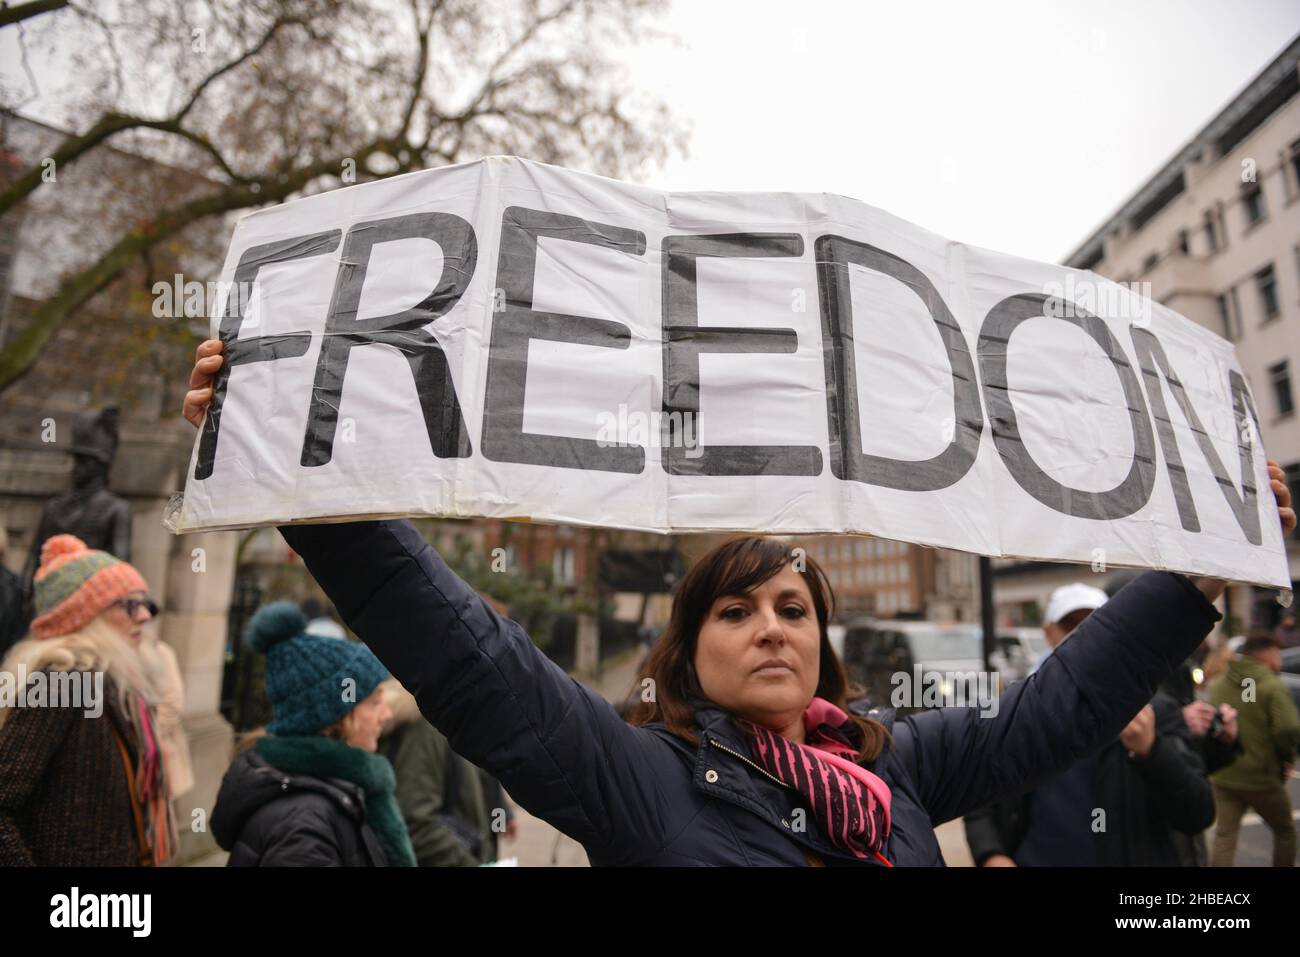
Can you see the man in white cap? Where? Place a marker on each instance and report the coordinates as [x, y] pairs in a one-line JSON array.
[[1066, 611], [1132, 803]]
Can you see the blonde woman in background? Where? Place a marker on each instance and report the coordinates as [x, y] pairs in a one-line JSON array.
[[83, 773]]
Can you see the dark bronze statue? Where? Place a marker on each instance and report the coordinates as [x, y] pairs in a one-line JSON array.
[[90, 511]]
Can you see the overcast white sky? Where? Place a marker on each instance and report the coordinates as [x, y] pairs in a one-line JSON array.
[[1019, 126]]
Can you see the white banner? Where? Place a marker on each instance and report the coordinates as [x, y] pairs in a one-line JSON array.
[[513, 340]]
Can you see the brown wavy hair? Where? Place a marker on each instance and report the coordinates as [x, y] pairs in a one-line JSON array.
[[734, 568]]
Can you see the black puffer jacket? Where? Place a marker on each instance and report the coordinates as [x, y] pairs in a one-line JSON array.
[[633, 795], [1153, 805], [267, 818]]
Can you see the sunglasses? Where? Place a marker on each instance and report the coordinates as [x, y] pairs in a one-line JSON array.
[[132, 606]]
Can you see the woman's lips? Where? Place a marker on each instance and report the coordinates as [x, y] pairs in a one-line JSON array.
[[773, 667]]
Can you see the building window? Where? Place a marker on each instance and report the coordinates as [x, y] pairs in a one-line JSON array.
[[1252, 200], [564, 564], [1211, 232], [903, 573], [1231, 326], [1295, 166], [1280, 376], [1266, 283]]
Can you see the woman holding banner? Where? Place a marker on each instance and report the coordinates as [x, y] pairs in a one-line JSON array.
[[742, 751]]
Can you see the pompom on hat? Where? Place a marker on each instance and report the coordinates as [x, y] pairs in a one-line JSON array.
[[312, 680], [76, 583]]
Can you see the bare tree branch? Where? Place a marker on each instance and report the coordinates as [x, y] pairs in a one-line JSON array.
[[290, 105], [113, 122], [27, 67], [107, 32], [275, 27], [23, 11], [16, 357]]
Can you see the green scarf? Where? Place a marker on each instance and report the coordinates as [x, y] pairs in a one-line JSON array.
[[328, 758]]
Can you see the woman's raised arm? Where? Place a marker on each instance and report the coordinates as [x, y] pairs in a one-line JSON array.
[[560, 749], [1078, 700]]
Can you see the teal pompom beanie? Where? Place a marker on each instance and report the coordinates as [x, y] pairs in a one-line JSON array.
[[312, 681]]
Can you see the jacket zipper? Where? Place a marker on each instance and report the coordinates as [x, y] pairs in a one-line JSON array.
[[714, 742]]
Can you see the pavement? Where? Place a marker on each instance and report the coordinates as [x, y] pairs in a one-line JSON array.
[[1255, 842]]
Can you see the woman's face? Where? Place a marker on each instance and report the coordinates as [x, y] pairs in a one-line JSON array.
[[361, 729], [758, 655], [129, 614]]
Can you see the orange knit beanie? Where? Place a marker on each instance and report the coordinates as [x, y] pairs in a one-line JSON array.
[[76, 583]]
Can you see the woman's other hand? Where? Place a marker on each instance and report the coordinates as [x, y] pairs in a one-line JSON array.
[[1212, 588], [1285, 507]]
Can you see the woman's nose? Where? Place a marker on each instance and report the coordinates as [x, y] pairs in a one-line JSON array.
[[770, 627]]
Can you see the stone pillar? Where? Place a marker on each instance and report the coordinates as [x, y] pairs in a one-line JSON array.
[[587, 650], [200, 575], [1240, 606]]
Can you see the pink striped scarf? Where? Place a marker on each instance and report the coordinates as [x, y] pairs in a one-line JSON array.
[[849, 802]]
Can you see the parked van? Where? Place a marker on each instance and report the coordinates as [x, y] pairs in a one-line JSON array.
[[875, 650]]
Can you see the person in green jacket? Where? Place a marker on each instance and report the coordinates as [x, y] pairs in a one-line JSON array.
[[1269, 730], [454, 811]]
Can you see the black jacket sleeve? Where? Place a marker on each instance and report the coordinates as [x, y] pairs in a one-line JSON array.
[[1174, 774], [1077, 701], [988, 826], [303, 838], [1218, 755], [560, 749]]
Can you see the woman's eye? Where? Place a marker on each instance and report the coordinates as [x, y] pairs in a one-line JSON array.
[[794, 611], [734, 613]]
